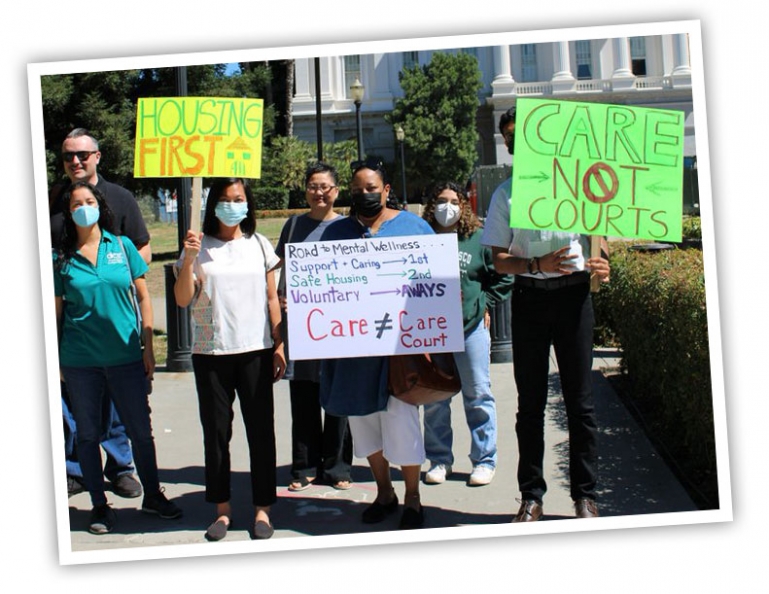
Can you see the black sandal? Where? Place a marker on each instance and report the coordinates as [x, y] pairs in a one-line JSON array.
[[299, 484]]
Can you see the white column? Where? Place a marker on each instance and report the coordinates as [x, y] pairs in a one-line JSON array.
[[502, 94], [503, 83], [563, 80], [682, 70], [622, 77], [378, 69], [338, 88], [302, 79]]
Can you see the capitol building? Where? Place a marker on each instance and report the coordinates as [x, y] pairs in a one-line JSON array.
[[648, 71]]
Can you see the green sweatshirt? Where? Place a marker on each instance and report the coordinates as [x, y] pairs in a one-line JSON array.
[[480, 284]]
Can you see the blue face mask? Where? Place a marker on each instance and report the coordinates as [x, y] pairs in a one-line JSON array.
[[231, 213], [85, 216]]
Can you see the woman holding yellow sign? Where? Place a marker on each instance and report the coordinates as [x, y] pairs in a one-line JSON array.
[[226, 275]]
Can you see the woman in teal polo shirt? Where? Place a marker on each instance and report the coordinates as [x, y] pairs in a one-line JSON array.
[[100, 348]]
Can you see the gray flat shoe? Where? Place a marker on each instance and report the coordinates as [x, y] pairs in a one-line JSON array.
[[217, 530], [263, 530]]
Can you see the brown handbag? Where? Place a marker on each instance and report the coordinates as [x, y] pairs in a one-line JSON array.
[[423, 378]]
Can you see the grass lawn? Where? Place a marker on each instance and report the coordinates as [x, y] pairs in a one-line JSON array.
[[165, 250]]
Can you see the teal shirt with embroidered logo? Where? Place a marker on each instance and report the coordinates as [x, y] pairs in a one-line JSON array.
[[98, 318]]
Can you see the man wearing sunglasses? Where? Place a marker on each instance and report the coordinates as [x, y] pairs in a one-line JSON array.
[[81, 156]]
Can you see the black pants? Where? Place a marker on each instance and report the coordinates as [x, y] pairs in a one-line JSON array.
[[218, 378], [320, 446], [564, 318]]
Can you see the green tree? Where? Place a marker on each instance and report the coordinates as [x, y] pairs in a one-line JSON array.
[[279, 92], [340, 155], [99, 101], [438, 112], [284, 162]]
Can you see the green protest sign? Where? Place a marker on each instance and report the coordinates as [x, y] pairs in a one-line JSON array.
[[598, 169]]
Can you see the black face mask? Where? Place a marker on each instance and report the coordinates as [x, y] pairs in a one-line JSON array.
[[367, 205], [511, 145]]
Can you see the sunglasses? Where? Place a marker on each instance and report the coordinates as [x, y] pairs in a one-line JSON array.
[[369, 163], [82, 156]]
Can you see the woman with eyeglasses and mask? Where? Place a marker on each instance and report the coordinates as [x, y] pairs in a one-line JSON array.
[[225, 275], [321, 445], [385, 430], [100, 345], [448, 211]]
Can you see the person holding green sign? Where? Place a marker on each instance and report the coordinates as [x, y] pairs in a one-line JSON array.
[[551, 306]]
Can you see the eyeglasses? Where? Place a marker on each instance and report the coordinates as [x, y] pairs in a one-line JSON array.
[[369, 163], [82, 156], [325, 188]]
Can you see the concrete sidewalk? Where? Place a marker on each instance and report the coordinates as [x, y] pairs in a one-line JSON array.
[[633, 477]]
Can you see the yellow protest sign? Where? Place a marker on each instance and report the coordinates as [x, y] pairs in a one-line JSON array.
[[198, 137]]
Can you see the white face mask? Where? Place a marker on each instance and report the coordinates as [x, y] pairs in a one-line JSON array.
[[447, 214], [231, 213]]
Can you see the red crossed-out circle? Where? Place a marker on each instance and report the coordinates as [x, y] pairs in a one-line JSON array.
[[594, 172]]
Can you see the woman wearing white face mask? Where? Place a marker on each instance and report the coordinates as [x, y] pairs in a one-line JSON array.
[[448, 211], [226, 275], [100, 350]]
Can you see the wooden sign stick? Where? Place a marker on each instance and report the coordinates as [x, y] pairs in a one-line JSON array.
[[595, 252], [196, 203]]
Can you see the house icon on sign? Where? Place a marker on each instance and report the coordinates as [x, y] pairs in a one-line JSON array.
[[238, 154]]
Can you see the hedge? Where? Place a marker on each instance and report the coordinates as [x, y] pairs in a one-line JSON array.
[[285, 213], [655, 307], [271, 198]]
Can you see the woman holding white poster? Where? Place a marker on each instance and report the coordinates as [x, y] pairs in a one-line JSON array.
[[226, 275], [448, 211], [384, 429]]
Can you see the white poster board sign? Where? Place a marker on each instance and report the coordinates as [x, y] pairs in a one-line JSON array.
[[378, 296]]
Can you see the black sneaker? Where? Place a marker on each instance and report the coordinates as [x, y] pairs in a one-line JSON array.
[[74, 485], [127, 486], [159, 505], [102, 519]]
